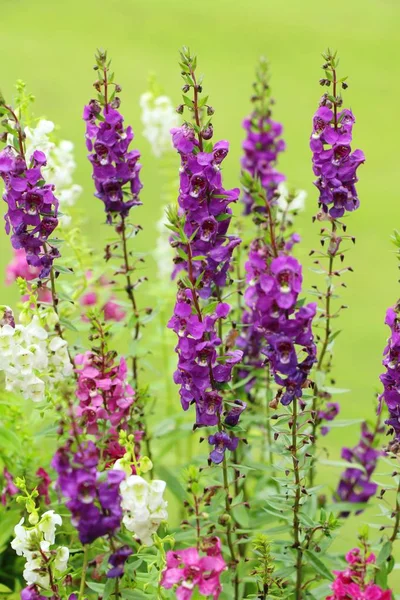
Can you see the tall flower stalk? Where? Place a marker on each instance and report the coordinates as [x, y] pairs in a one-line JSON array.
[[116, 176], [204, 250], [335, 165]]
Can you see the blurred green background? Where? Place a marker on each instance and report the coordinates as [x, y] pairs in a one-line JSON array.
[[50, 45]]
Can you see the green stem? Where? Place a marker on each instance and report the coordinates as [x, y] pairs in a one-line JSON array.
[[84, 569], [296, 506], [396, 526]]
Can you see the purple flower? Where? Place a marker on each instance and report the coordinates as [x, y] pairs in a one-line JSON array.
[[118, 560], [329, 414], [233, 416], [115, 168], [204, 204], [274, 328], [222, 442], [261, 148], [199, 365], [334, 164], [31, 593], [32, 208], [93, 497], [355, 484], [391, 378]]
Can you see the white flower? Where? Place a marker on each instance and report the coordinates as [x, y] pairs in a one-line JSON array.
[[143, 506], [158, 117], [34, 544], [289, 203], [32, 361], [47, 525]]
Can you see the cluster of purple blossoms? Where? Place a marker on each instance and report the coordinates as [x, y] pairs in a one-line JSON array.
[[93, 497], [32, 208], [391, 378], [334, 163], [282, 331], [204, 203], [261, 147], [355, 484], [200, 367], [115, 167]]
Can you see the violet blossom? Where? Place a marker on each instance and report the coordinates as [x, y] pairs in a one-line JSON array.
[[334, 163], [355, 484], [93, 497], [204, 203], [32, 214], [391, 378]]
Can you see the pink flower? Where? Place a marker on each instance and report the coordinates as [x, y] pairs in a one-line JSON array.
[[18, 267], [187, 569], [113, 311], [44, 484], [353, 584], [9, 489]]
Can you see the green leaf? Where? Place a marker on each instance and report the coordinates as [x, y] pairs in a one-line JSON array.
[[173, 483], [68, 324], [318, 565], [384, 553]]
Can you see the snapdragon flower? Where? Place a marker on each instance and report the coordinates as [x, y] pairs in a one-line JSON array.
[[391, 378], [143, 505], [356, 582], [32, 361], [93, 497], [355, 484], [32, 214], [187, 571], [34, 544]]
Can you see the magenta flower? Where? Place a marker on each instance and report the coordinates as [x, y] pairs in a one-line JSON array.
[[187, 570], [103, 391], [356, 582], [9, 488]]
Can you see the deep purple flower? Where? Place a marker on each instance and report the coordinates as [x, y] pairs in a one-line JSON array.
[[222, 442], [93, 498], [355, 484], [31, 593], [233, 416], [115, 168], [32, 208], [274, 328], [118, 560], [334, 164], [391, 378], [204, 204]]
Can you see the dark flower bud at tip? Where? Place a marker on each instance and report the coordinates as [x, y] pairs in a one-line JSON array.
[[210, 111], [185, 88], [179, 109]]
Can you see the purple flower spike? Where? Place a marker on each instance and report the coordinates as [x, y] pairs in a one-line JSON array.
[[222, 442], [32, 208], [334, 163]]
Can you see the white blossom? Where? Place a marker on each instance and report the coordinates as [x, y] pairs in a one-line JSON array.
[[289, 204], [32, 361], [158, 117], [34, 544], [143, 505]]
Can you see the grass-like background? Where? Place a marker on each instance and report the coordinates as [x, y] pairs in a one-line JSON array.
[[50, 45]]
